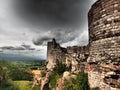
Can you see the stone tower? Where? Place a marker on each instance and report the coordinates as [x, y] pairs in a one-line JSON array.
[[55, 53], [104, 38]]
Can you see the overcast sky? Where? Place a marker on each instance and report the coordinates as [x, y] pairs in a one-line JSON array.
[[34, 22]]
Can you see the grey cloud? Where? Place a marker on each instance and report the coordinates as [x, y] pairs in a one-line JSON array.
[[6, 47], [61, 37], [42, 18], [48, 14], [41, 40], [22, 47], [27, 47]]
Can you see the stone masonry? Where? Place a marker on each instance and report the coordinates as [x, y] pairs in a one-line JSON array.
[[104, 42], [55, 54], [76, 56], [71, 56], [101, 58]]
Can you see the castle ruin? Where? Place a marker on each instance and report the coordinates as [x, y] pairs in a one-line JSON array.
[[104, 45], [55, 54], [71, 56], [101, 58]]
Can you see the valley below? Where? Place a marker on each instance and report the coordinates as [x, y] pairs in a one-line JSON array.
[[19, 75]]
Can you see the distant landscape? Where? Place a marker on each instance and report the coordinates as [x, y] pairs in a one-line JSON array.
[[18, 75], [27, 55]]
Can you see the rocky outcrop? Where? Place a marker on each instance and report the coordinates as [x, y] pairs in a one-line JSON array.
[[45, 81], [60, 85]]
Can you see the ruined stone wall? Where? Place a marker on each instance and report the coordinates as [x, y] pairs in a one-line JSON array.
[[74, 57], [104, 38], [77, 57], [55, 54], [78, 49]]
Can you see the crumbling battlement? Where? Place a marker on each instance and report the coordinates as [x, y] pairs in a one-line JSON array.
[[104, 39], [71, 56], [76, 57], [55, 54], [78, 49]]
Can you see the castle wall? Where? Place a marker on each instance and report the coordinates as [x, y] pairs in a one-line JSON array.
[[74, 57], [104, 38], [55, 54], [78, 49], [103, 63], [77, 57]]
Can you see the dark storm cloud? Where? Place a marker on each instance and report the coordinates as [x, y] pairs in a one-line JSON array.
[[61, 37], [52, 13], [46, 15]]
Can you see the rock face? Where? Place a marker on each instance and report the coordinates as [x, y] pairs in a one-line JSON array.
[[60, 85], [104, 39], [45, 81]]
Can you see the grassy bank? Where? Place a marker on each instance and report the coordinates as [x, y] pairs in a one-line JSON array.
[[25, 85]]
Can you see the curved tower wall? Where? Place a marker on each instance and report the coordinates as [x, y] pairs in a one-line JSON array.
[[104, 38]]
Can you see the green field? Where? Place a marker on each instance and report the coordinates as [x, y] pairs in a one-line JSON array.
[[25, 85]]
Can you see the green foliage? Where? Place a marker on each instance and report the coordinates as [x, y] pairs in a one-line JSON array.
[[70, 85], [1, 71], [60, 68], [16, 71], [20, 74], [42, 74], [56, 74], [19, 85], [53, 79], [68, 68], [4, 73], [8, 85], [4, 63], [36, 88], [34, 65], [81, 83]]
